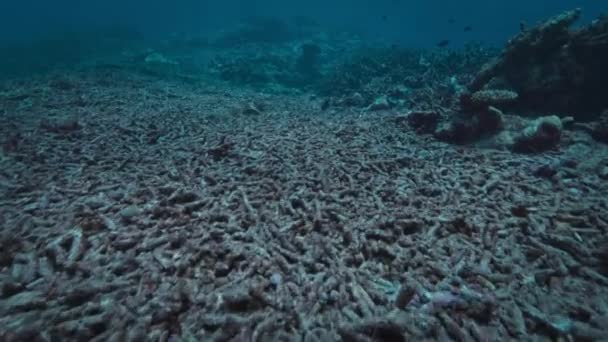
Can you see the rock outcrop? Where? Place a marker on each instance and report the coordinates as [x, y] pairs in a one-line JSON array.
[[554, 68]]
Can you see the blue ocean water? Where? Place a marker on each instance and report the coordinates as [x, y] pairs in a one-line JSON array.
[[311, 171], [410, 22]]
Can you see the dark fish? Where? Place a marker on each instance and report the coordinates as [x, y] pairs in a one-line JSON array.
[[384, 18], [325, 104], [468, 28], [443, 43], [522, 26], [451, 20]]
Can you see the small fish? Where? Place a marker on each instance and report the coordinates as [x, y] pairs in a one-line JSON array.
[[468, 28], [384, 18], [325, 104], [451, 20], [443, 43], [522, 26]]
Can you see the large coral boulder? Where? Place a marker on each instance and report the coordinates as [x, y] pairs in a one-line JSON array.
[[555, 68], [540, 135], [466, 127]]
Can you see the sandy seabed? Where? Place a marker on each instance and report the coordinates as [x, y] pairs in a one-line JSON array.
[[135, 209]]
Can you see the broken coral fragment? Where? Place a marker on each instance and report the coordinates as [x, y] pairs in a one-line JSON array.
[[493, 97]]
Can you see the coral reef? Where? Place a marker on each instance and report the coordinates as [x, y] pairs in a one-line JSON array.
[[261, 187], [406, 76], [545, 67], [554, 68]]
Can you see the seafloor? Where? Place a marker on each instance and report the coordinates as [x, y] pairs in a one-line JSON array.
[[167, 212]]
